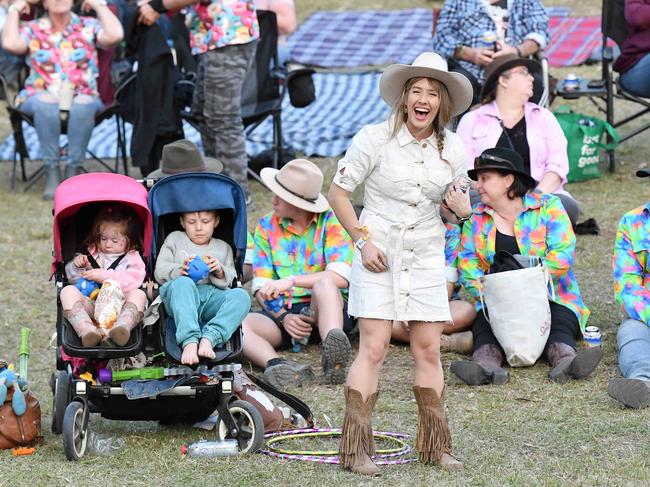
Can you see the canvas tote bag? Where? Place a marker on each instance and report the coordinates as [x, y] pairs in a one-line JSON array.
[[519, 313]]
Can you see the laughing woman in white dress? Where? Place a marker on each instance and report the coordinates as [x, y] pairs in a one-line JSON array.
[[408, 165]]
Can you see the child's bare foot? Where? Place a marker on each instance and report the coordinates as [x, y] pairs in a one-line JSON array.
[[205, 349], [190, 356]]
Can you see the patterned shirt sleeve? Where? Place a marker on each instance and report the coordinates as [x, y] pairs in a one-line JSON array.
[[469, 264], [560, 239], [445, 38], [629, 287], [535, 20], [263, 270], [339, 248], [452, 248]]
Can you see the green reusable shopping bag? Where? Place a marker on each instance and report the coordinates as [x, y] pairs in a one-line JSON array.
[[584, 134]]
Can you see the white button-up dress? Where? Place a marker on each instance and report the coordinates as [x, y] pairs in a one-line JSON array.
[[404, 183]]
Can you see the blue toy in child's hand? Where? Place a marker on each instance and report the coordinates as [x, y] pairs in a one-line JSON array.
[[198, 269], [275, 305], [87, 287]]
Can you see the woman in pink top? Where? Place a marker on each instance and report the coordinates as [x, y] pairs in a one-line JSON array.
[[507, 119]]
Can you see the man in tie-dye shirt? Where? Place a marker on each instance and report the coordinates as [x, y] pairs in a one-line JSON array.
[[303, 254], [632, 290]]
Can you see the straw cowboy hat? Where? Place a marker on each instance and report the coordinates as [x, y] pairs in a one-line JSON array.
[[426, 65], [298, 183], [184, 156], [502, 64]]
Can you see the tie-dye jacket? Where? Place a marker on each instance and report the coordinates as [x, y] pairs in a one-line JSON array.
[[280, 251], [542, 229], [632, 264]]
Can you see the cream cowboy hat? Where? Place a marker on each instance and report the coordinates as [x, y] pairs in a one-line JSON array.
[[426, 65], [184, 156], [298, 183]]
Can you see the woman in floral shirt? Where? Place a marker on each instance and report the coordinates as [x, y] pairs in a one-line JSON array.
[[512, 218], [61, 52]]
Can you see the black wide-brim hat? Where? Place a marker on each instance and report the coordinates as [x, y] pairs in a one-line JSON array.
[[643, 173], [504, 161]]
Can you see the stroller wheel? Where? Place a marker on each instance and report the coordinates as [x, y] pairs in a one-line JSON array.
[[250, 425], [75, 433], [60, 400]]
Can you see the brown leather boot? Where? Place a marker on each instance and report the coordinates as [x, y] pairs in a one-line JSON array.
[[484, 368], [82, 324], [569, 364], [127, 320], [461, 342], [357, 440], [433, 440]]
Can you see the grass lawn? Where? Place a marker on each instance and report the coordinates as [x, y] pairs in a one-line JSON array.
[[528, 432]]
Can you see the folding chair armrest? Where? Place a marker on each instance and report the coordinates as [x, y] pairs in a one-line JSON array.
[[299, 72]]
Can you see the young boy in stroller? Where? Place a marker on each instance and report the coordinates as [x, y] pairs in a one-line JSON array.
[[206, 297]]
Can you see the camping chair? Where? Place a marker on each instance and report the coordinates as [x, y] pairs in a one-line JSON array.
[[602, 92], [21, 154], [266, 84]]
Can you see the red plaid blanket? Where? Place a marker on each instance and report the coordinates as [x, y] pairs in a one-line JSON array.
[[572, 39]]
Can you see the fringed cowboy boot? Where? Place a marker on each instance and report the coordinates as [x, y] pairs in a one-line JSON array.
[[433, 440], [357, 440], [461, 342], [484, 368], [569, 364], [127, 320], [82, 324]]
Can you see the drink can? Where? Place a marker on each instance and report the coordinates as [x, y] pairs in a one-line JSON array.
[[592, 337], [489, 40], [571, 82]]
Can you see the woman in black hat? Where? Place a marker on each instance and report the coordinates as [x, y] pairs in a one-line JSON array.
[[514, 218], [507, 118]]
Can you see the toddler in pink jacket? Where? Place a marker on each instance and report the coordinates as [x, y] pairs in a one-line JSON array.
[[111, 252]]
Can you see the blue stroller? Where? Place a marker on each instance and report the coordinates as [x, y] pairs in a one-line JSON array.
[[197, 393]]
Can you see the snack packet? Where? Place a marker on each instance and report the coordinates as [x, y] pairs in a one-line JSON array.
[[108, 305]]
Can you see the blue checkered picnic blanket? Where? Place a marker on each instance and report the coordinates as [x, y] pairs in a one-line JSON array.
[[368, 37], [344, 103]]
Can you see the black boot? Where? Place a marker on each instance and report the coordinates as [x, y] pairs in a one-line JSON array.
[[569, 364], [53, 180], [484, 368]]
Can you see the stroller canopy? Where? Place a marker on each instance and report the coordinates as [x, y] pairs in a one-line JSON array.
[[195, 192], [74, 193]]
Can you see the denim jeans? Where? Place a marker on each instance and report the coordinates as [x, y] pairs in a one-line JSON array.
[[637, 79], [47, 122], [204, 311], [633, 340]]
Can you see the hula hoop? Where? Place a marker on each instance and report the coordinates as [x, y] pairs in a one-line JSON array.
[[386, 456]]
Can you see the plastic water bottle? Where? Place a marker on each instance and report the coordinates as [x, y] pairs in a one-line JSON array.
[[206, 448], [296, 345]]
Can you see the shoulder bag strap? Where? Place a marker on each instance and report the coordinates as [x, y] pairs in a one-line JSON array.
[[290, 400]]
